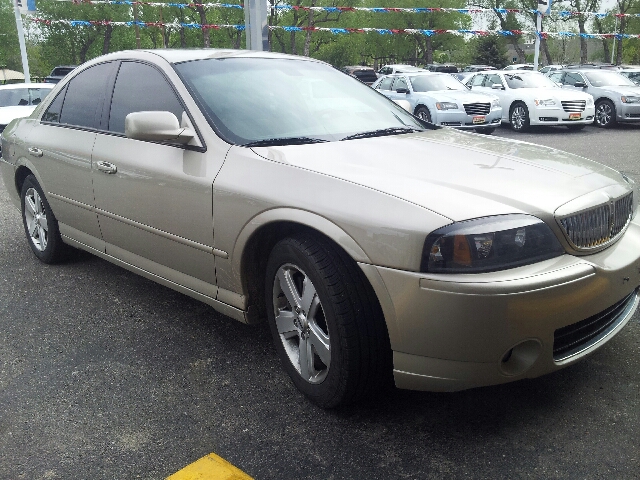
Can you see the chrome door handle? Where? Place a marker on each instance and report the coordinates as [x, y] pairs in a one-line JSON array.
[[106, 167], [36, 152]]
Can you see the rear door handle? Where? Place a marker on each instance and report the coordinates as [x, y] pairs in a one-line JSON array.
[[36, 152], [106, 167]]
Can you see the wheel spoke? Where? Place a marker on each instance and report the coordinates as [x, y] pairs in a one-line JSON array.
[[31, 206], [306, 359], [44, 224], [308, 296], [42, 234], [32, 226], [320, 342], [288, 287], [285, 325]]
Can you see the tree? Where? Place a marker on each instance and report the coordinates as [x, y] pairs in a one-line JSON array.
[[9, 46], [490, 50]]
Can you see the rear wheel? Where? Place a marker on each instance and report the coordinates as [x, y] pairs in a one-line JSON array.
[[326, 323], [423, 114], [605, 114], [40, 225], [519, 117]]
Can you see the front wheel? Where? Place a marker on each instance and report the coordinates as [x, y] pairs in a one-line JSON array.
[[326, 323], [423, 114], [519, 117], [40, 225], [605, 114]]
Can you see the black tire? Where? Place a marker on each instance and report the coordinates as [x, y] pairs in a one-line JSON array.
[[605, 116], [576, 128], [344, 314], [40, 225], [519, 117], [485, 131], [423, 114]]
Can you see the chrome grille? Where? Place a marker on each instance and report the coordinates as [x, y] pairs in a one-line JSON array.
[[477, 108], [574, 105], [599, 225]]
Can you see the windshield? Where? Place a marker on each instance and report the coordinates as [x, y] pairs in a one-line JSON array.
[[15, 97], [434, 83], [528, 80], [608, 79], [252, 99]]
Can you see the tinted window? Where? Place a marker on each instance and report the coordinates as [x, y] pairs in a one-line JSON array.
[[477, 81], [85, 94], [573, 78], [400, 83], [385, 84], [140, 87], [53, 111]]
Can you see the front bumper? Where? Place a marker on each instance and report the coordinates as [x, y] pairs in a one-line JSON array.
[[557, 116], [628, 112], [453, 332], [461, 120]]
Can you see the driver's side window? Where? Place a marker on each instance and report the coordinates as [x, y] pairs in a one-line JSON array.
[[400, 82], [493, 80], [385, 84], [477, 81]]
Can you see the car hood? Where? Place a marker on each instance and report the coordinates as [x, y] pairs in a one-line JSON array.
[[557, 93], [455, 174], [9, 113], [457, 95], [621, 90]]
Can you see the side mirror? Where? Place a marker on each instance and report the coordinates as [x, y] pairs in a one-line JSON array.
[[580, 85], [402, 90], [497, 86], [156, 126], [404, 104]]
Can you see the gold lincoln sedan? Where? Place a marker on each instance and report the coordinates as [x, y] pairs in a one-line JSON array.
[[378, 247]]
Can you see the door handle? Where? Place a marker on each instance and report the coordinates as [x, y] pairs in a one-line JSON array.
[[106, 167], [36, 152]]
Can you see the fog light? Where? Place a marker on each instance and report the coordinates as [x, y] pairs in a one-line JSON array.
[[520, 357]]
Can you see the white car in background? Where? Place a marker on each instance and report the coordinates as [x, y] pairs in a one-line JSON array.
[[441, 99], [530, 98], [18, 100]]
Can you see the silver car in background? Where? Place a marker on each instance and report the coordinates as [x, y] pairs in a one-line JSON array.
[[378, 247], [441, 99], [616, 97]]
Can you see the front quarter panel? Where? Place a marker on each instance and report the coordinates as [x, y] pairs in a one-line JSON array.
[[373, 227]]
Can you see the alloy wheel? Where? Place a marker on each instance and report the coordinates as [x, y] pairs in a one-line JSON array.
[[36, 218], [604, 114]]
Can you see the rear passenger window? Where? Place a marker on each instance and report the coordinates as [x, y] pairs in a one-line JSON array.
[[82, 104], [139, 88], [52, 113]]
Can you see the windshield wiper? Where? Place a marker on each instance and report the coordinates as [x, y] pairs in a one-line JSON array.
[[383, 132], [270, 142]]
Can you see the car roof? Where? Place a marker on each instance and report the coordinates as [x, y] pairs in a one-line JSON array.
[[13, 86], [186, 55]]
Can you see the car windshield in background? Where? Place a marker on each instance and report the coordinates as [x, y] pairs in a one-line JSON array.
[[433, 83], [15, 97], [528, 80], [249, 100], [608, 79]]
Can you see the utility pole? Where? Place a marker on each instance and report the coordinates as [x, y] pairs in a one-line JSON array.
[[17, 6], [256, 27]]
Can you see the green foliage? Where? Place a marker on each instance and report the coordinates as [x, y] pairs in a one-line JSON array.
[[9, 47], [490, 50]]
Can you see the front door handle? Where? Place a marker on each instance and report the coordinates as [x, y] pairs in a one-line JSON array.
[[36, 152], [106, 167]]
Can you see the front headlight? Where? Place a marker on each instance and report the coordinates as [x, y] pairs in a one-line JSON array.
[[489, 244], [549, 102], [630, 99], [446, 106], [495, 103]]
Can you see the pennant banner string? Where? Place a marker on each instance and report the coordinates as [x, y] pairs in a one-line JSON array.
[[335, 31], [466, 11]]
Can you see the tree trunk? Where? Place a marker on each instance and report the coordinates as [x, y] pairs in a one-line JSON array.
[[605, 42], [292, 35], [584, 57], [307, 37], [206, 33], [623, 27], [107, 39]]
